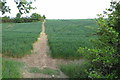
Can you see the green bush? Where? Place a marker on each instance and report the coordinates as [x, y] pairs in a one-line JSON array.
[[105, 57]]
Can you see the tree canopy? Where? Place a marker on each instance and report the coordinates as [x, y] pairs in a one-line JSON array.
[[24, 6]]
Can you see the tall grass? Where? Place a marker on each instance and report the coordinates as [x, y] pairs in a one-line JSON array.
[[11, 69], [76, 70], [0, 67], [17, 38], [47, 71], [66, 36]]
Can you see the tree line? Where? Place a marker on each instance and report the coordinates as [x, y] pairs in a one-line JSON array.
[[18, 19]]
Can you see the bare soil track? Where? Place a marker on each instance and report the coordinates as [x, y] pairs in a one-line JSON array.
[[39, 58]]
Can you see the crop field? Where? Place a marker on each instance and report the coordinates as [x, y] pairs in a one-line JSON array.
[[17, 38], [66, 36], [64, 39]]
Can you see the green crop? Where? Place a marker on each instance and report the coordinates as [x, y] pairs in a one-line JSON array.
[[17, 38], [66, 36]]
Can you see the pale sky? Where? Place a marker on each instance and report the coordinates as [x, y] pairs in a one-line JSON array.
[[66, 9]]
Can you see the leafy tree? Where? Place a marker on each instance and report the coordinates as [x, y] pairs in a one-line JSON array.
[[3, 7], [36, 16], [44, 17], [24, 6], [105, 57], [18, 15]]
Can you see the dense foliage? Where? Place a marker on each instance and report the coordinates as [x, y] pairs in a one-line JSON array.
[[3, 7], [105, 57], [18, 38], [66, 36], [24, 6]]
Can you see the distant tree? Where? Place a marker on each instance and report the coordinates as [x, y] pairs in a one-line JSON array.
[[36, 16], [44, 17], [18, 15], [5, 19]]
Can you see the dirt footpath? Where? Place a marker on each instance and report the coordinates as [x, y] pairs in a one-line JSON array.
[[40, 58]]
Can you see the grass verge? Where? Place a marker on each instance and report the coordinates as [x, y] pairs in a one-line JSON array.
[[11, 69], [47, 71], [76, 70]]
